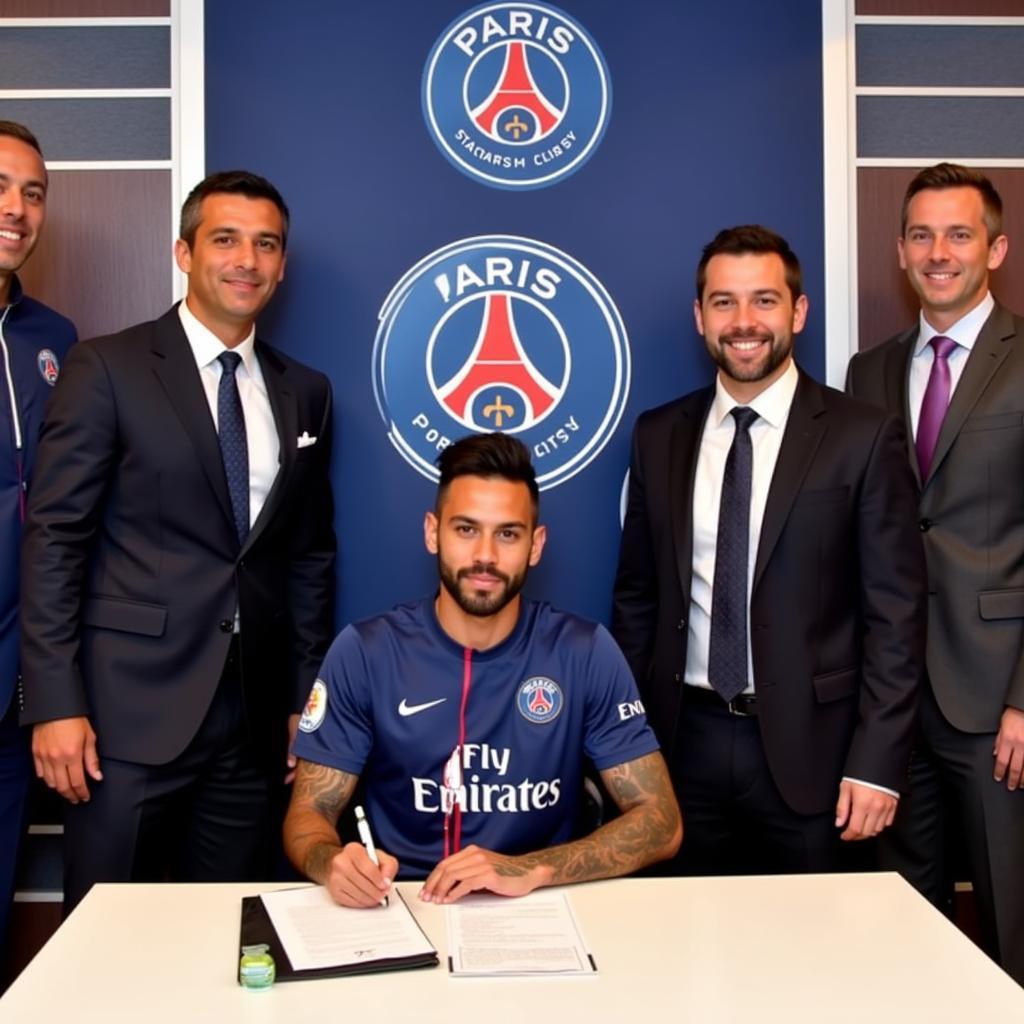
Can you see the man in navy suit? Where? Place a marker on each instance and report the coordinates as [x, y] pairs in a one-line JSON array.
[[33, 342], [179, 554]]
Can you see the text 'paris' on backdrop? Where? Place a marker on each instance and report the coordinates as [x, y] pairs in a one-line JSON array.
[[496, 215]]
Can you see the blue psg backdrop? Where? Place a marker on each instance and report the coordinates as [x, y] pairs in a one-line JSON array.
[[496, 215]]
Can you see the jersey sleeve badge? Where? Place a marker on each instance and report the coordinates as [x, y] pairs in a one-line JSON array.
[[315, 709]]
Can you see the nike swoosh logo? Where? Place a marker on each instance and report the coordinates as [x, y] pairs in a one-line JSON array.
[[405, 710]]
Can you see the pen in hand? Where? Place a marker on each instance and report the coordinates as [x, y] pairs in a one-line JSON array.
[[363, 827]]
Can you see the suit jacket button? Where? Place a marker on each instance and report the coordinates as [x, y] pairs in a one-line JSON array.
[[226, 626], [677, 677], [925, 525], [681, 625]]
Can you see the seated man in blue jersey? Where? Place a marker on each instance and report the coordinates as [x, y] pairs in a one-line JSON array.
[[468, 716]]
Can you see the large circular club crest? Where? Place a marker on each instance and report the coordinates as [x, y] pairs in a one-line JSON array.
[[516, 95], [501, 333]]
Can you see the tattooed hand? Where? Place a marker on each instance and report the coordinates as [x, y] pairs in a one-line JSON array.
[[475, 868], [311, 839], [650, 829], [353, 880]]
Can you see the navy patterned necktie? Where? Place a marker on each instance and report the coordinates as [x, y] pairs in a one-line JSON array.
[[727, 654], [234, 447]]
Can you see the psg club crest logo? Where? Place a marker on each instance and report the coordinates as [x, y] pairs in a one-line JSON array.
[[516, 96], [501, 333], [49, 367], [539, 700]]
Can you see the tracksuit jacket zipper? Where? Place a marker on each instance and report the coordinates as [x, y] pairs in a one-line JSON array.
[[15, 418]]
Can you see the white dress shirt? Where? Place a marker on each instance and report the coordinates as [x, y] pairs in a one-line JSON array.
[[772, 407], [965, 333], [260, 429]]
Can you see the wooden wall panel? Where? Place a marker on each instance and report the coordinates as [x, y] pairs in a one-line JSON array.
[[85, 56], [95, 128], [885, 301], [105, 254], [943, 8], [85, 9]]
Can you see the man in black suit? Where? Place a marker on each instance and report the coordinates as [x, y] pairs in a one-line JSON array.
[[957, 377], [178, 569], [770, 595]]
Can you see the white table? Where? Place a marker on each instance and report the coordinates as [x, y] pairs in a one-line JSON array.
[[815, 948]]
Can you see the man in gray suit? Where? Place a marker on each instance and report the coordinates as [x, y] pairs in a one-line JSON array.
[[958, 378]]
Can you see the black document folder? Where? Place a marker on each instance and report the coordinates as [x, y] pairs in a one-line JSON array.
[[256, 928]]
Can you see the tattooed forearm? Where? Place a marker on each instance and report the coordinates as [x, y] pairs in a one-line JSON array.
[[319, 796], [317, 865], [649, 830], [324, 790]]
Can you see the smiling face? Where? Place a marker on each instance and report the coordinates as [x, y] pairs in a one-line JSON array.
[[235, 263], [748, 319], [947, 253], [22, 205], [485, 539]]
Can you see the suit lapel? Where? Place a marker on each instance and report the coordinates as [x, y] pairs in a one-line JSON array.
[[175, 368], [897, 390], [985, 359], [805, 428], [283, 405], [683, 450]]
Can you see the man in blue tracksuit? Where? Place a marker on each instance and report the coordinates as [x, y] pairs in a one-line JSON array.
[[33, 341], [468, 717]]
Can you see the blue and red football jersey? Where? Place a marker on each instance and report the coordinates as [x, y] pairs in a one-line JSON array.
[[386, 707]]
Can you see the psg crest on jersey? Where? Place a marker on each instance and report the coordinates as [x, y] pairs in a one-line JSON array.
[[539, 700], [49, 367], [501, 333], [516, 95]]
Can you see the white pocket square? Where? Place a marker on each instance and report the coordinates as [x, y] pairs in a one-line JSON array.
[[305, 441]]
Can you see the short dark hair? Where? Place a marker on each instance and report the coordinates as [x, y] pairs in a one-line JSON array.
[[947, 175], [14, 130], [241, 183], [488, 455], [745, 239]]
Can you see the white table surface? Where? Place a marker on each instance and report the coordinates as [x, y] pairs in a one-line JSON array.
[[761, 949]]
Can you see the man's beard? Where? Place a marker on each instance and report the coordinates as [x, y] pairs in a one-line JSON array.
[[475, 602], [778, 352]]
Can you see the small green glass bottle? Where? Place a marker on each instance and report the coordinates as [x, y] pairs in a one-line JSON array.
[[256, 968]]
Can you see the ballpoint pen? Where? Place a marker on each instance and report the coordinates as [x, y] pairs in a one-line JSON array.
[[363, 827]]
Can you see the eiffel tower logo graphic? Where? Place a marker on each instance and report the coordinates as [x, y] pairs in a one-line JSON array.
[[498, 360], [516, 91]]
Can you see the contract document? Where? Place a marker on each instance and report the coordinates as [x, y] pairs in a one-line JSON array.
[[318, 936], [534, 934]]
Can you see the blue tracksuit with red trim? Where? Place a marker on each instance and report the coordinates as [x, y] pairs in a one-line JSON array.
[[33, 342]]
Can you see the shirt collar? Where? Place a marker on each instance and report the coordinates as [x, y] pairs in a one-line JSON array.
[[206, 346], [964, 332], [772, 405], [15, 294], [527, 611]]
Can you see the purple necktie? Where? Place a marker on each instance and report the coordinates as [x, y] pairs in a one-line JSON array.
[[935, 403]]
